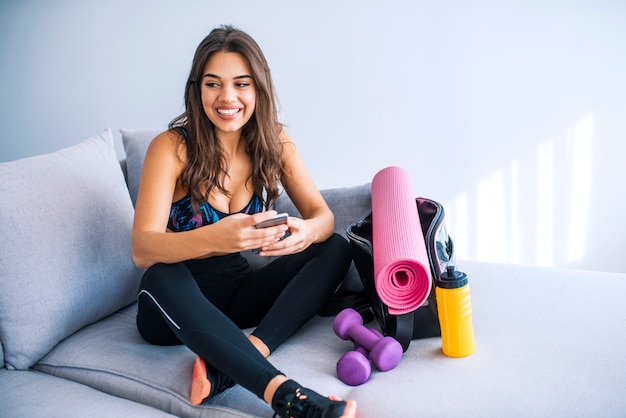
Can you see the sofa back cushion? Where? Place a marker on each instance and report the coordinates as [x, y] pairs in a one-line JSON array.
[[348, 204], [65, 253], [136, 144]]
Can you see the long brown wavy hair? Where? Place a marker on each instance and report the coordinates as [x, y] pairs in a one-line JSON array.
[[206, 160]]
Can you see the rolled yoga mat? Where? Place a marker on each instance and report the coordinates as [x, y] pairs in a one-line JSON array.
[[401, 267]]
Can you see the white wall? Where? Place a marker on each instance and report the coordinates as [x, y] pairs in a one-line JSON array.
[[513, 114]]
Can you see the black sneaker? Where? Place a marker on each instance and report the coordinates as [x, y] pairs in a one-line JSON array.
[[305, 403]]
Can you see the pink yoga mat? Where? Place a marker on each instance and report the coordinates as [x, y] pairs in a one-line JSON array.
[[401, 267]]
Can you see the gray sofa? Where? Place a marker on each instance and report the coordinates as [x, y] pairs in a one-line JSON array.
[[549, 342]]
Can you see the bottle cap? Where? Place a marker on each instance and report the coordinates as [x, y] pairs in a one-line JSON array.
[[452, 278]]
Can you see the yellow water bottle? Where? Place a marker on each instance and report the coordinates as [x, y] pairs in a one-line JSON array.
[[454, 306]]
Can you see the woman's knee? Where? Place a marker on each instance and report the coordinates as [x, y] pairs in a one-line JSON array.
[[339, 247], [160, 275], [154, 290], [339, 241]]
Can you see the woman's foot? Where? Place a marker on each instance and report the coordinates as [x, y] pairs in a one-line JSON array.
[[205, 382], [200, 384], [305, 403]]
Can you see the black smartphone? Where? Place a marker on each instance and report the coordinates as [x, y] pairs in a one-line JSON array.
[[281, 218]]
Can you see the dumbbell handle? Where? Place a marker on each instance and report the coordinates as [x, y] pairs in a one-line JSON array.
[[363, 336], [362, 350], [388, 357], [384, 352]]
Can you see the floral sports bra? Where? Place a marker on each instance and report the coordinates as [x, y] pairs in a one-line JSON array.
[[182, 217]]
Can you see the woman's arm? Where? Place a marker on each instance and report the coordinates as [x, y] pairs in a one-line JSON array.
[[317, 223], [151, 241]]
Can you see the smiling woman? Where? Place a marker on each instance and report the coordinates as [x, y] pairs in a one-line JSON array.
[[206, 183], [229, 74]]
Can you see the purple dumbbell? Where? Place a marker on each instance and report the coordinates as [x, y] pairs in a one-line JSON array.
[[384, 352], [354, 367]]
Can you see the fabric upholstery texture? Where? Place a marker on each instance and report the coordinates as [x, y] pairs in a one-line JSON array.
[[111, 356], [541, 350], [136, 144], [65, 253], [347, 204], [29, 394]]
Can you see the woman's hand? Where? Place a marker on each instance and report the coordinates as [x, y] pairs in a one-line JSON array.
[[317, 223], [301, 235], [237, 232]]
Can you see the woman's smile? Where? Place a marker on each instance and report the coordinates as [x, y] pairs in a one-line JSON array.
[[228, 113]]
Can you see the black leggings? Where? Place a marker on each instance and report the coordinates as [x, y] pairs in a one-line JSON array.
[[205, 303]]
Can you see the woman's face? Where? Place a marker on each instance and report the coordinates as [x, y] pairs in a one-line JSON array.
[[228, 92]]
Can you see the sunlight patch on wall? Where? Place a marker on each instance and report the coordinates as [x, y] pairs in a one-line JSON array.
[[534, 210], [581, 146], [461, 221], [516, 255], [545, 204], [491, 236]]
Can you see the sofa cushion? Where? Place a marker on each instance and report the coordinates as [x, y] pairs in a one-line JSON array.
[[65, 254], [135, 145], [29, 394], [549, 342], [348, 204], [111, 356]]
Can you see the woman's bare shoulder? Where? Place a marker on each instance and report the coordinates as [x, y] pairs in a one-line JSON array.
[[288, 146], [168, 144]]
